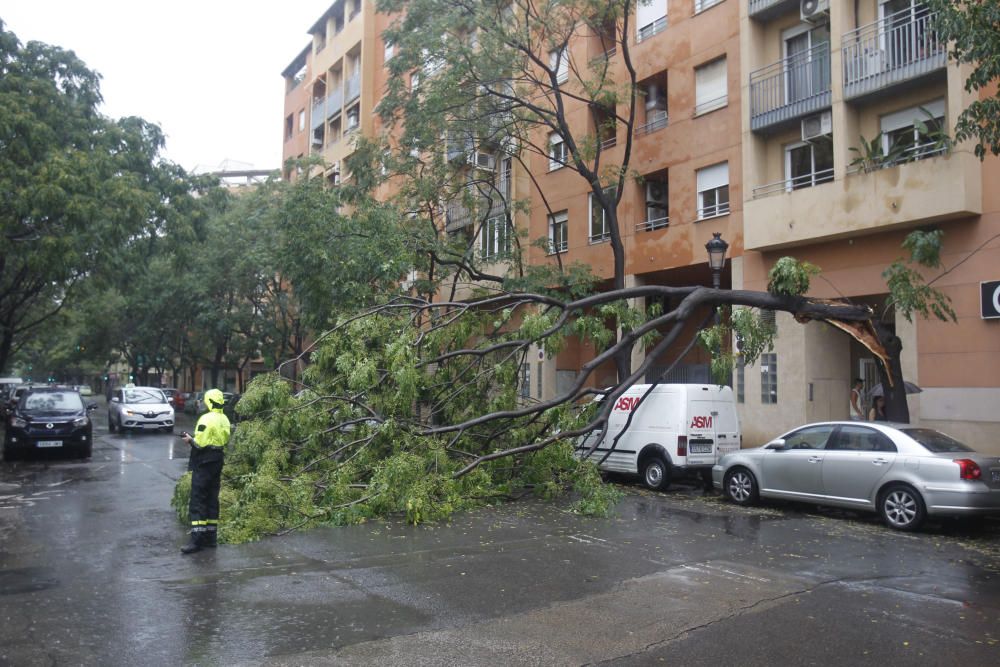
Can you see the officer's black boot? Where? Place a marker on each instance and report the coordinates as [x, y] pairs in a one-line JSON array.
[[196, 543], [210, 539]]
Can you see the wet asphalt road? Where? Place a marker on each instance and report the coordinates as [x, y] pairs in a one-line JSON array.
[[90, 574]]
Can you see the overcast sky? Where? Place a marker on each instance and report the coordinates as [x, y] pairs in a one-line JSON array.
[[207, 71]]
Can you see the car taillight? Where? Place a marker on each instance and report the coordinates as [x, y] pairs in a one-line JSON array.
[[682, 445], [968, 469]]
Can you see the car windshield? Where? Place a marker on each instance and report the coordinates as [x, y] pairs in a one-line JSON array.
[[935, 441], [53, 400], [144, 396]]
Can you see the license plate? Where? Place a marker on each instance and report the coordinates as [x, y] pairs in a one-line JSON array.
[[50, 443], [701, 449]]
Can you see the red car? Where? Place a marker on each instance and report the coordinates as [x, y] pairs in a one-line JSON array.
[[175, 397]]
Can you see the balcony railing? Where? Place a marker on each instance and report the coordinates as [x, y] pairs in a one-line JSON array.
[[647, 31], [601, 237], [790, 88], [657, 121], [895, 158], [702, 5], [652, 223], [789, 184], [317, 117], [610, 142], [897, 48], [334, 102], [353, 88]]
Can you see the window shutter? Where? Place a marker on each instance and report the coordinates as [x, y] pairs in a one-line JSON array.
[[710, 82], [713, 177]]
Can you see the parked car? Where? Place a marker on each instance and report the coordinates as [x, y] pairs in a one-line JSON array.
[[902, 472], [193, 405], [678, 429], [13, 396], [85, 390], [176, 398], [49, 418], [144, 408]]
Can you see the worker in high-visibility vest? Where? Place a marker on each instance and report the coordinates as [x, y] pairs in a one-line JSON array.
[[211, 434]]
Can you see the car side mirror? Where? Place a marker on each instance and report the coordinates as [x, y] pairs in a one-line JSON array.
[[777, 445], [115, 400], [91, 407]]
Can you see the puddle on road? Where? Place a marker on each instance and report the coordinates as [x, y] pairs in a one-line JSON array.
[[26, 580]]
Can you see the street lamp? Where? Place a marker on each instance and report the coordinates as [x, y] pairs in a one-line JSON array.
[[716, 257]]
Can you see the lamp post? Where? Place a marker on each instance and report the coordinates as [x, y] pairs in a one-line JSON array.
[[716, 260]]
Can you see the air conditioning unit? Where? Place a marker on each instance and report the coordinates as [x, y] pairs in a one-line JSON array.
[[656, 194], [814, 11], [814, 127], [481, 160]]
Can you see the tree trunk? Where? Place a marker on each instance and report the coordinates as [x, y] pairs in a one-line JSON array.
[[894, 391]]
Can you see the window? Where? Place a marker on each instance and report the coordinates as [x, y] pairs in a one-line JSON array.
[[861, 439], [414, 80], [302, 120], [390, 51], [353, 118], [650, 18], [710, 87], [808, 164], [769, 378], [557, 151], [525, 385], [740, 380], [495, 237], [811, 437], [558, 232], [559, 63], [289, 126], [702, 5], [713, 191], [600, 229], [538, 374], [903, 135]]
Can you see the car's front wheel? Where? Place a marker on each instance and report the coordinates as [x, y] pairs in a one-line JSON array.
[[901, 507], [741, 487], [656, 474]]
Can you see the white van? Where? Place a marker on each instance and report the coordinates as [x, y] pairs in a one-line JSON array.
[[678, 429]]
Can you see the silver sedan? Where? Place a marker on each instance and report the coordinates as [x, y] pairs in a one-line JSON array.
[[902, 472]]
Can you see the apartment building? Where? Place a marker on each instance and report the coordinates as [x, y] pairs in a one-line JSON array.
[[753, 125], [827, 80]]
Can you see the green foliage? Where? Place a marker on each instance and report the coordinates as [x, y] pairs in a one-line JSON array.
[[971, 30], [753, 334], [871, 156], [360, 442], [909, 292], [790, 277]]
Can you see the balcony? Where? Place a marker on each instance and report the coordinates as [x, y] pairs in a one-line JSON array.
[[651, 29], [656, 120], [764, 10], [899, 196], [317, 117], [334, 102], [353, 88], [788, 184], [790, 88], [897, 49], [653, 223]]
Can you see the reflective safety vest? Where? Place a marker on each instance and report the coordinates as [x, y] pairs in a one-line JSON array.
[[212, 429]]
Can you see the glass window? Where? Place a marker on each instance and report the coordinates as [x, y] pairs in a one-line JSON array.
[[525, 385], [740, 380], [650, 18], [713, 191], [599, 226], [935, 441], [51, 400], [808, 164], [557, 151], [912, 134], [811, 437], [390, 51], [861, 439], [302, 120], [141, 395], [710, 86], [495, 237], [558, 232], [769, 378]]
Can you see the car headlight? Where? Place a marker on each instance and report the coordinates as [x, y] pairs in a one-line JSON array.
[[80, 421], [129, 412], [17, 422]]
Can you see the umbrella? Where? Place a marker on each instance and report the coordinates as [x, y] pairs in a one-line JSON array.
[[878, 391]]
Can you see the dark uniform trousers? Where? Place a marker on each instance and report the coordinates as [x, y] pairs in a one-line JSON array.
[[205, 465]]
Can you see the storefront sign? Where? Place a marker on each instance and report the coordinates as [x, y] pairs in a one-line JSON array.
[[989, 299]]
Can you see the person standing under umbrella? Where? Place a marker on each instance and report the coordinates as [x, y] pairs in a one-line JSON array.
[[877, 413]]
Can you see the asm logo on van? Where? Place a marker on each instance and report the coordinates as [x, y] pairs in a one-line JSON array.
[[701, 422], [627, 403]]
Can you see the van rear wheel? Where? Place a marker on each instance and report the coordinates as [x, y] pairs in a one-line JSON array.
[[656, 474]]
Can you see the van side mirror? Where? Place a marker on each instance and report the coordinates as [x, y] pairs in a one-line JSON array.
[[777, 445]]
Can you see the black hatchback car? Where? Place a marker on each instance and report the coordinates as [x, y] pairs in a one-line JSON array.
[[49, 419]]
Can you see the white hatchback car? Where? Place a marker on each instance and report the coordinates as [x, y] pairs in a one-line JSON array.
[[144, 408]]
